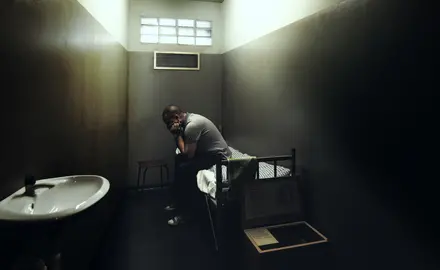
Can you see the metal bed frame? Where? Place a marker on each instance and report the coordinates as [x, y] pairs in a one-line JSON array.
[[220, 202]]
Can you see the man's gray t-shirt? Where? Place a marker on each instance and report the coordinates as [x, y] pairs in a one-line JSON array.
[[200, 130]]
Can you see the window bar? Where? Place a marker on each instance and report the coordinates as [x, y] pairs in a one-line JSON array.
[[177, 27], [275, 168]]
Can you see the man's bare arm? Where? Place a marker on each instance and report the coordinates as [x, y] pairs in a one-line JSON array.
[[190, 149], [180, 144], [187, 149]]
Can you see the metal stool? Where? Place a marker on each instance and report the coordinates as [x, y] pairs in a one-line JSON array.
[[152, 164]]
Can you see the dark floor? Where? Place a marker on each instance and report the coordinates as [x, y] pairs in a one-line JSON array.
[[140, 238]]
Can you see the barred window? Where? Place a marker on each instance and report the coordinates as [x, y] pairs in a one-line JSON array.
[[176, 31]]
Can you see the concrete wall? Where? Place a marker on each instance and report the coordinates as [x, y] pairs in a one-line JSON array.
[[63, 112], [151, 90], [352, 88]]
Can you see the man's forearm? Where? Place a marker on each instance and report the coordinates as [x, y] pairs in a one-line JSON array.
[[180, 144]]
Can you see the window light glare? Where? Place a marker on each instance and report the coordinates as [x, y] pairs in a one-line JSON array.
[[186, 32], [167, 22], [167, 31], [186, 23], [149, 38], [202, 41], [186, 40], [176, 31], [168, 40], [149, 30], [203, 32], [203, 24]]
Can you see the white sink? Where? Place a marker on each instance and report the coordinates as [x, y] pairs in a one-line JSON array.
[[68, 195]]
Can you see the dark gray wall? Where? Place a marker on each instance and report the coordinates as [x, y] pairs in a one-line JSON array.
[[351, 88], [151, 90], [64, 93], [63, 109]]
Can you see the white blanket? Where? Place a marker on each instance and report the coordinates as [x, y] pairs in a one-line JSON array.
[[205, 180]]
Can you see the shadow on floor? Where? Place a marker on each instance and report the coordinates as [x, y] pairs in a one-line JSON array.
[[140, 238]]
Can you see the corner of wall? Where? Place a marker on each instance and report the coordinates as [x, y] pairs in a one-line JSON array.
[[109, 14]]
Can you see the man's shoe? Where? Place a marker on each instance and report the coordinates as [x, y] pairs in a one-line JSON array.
[[175, 221], [169, 208]]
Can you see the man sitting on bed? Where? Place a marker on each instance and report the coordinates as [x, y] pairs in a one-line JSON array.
[[201, 145]]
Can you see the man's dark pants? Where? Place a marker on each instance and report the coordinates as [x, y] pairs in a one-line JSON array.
[[186, 194]]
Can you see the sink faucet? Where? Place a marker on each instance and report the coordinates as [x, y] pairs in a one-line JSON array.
[[30, 186]]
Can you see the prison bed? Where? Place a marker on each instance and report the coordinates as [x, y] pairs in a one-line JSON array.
[[216, 192], [206, 179]]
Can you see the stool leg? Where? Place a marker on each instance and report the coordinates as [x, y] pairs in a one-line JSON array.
[[143, 177], [138, 177], [161, 178]]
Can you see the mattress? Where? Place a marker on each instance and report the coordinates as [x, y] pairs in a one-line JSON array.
[[206, 179]]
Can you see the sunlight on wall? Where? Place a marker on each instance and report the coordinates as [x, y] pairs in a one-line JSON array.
[[112, 15], [247, 20]]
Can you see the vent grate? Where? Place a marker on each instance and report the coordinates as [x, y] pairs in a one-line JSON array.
[[176, 60]]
